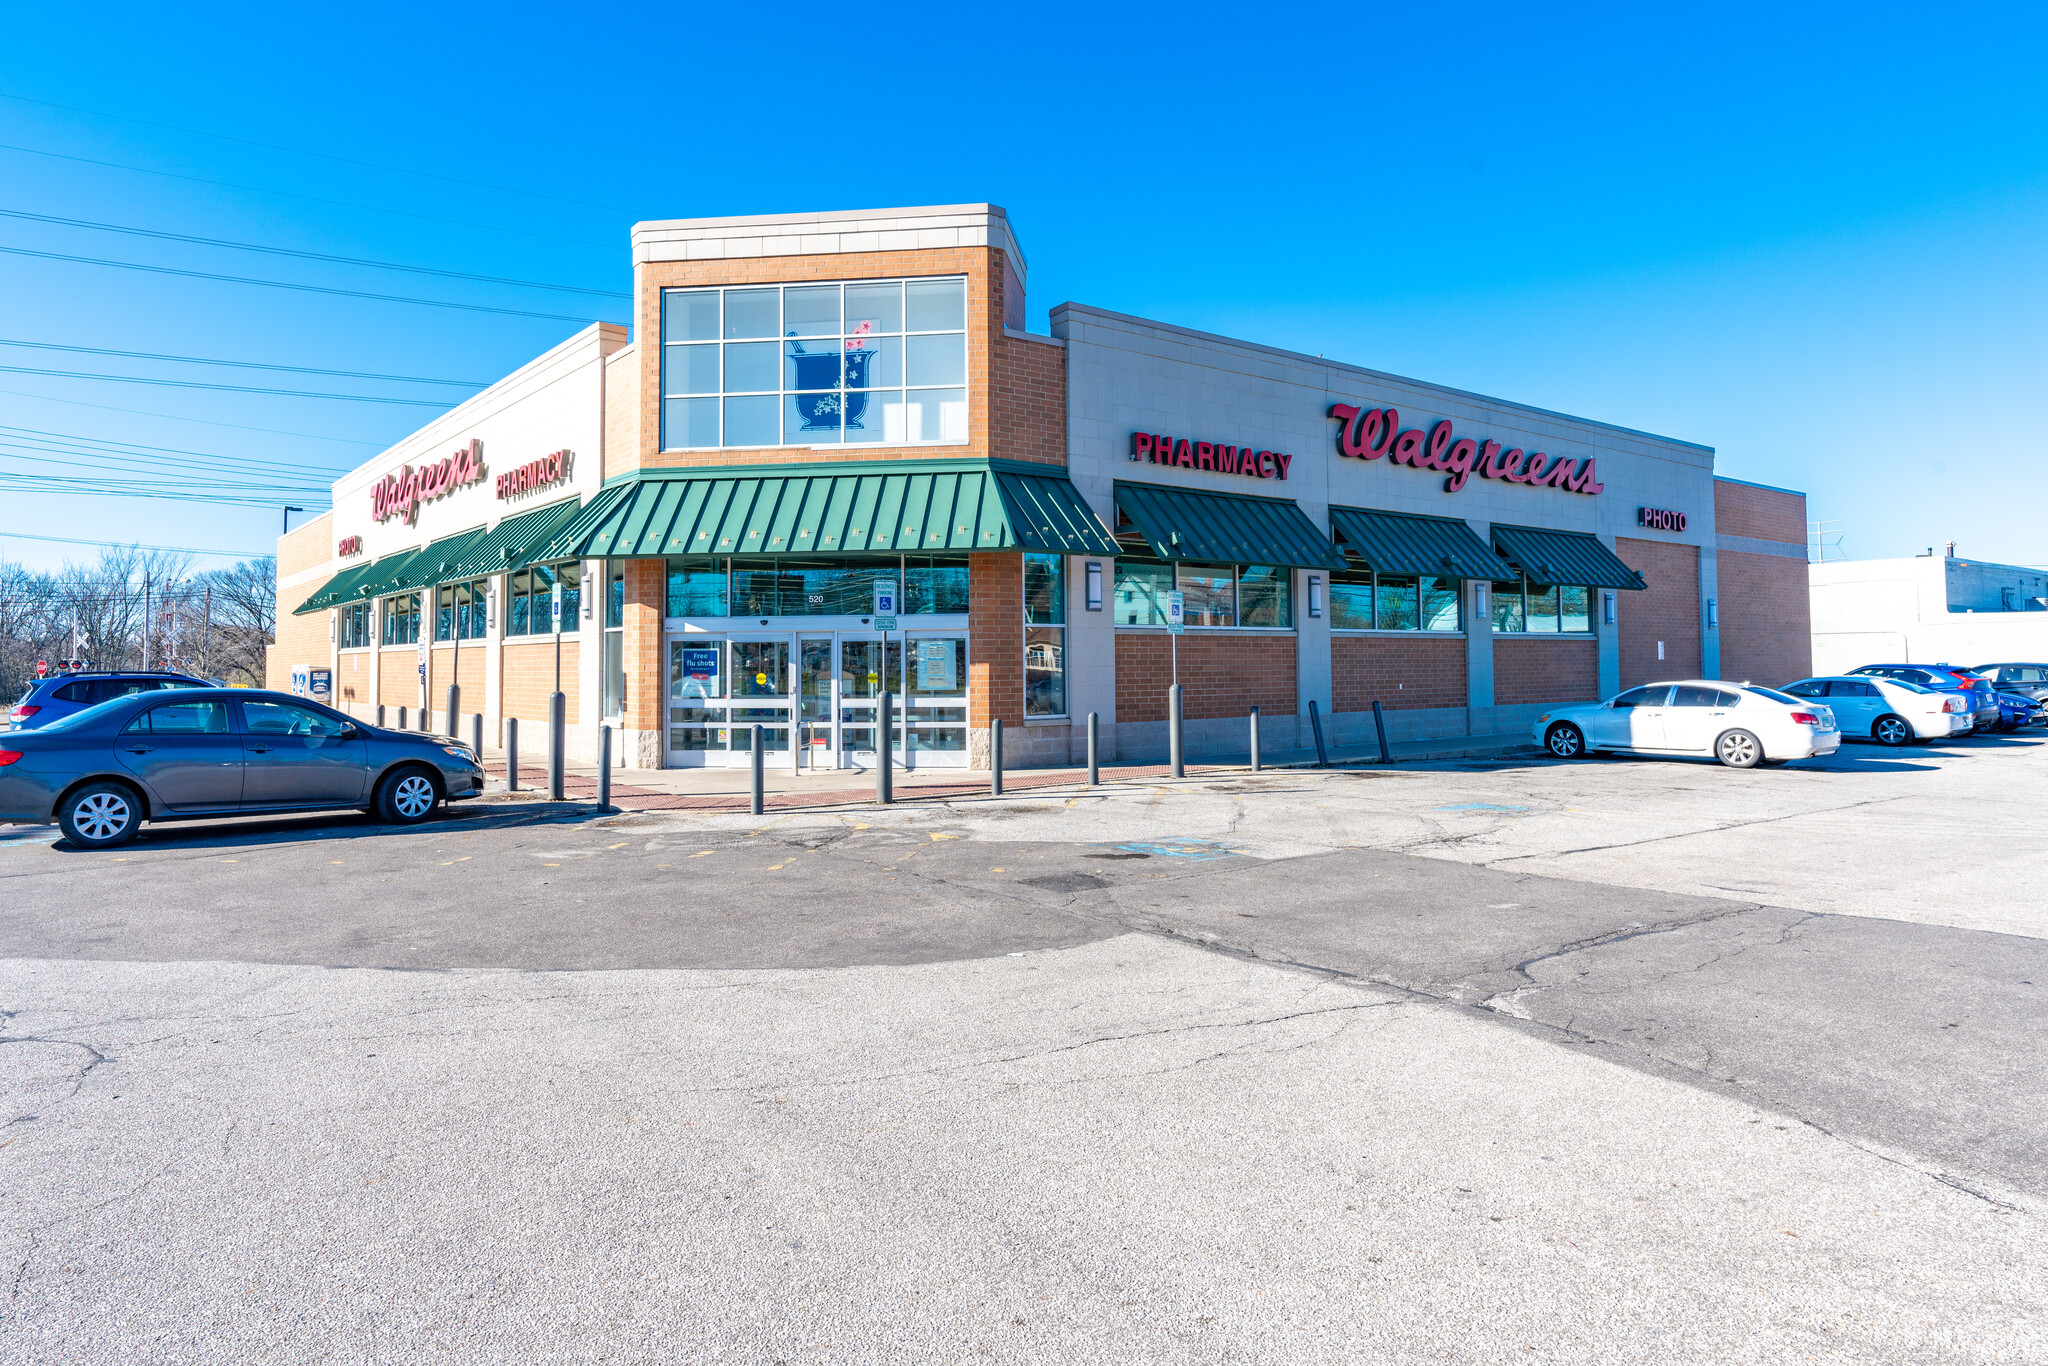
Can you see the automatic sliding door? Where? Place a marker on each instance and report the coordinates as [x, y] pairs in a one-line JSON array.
[[760, 692], [866, 668], [696, 701], [814, 702], [937, 688]]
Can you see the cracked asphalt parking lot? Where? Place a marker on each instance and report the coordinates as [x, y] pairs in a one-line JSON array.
[[1522, 1061]]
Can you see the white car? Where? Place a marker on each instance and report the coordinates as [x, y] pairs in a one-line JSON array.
[[1742, 725], [1890, 711]]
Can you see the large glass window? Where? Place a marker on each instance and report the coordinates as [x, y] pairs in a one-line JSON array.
[[1363, 601], [1211, 594], [696, 588], [1351, 600], [459, 611], [870, 363], [402, 619], [353, 632], [529, 599], [1045, 635], [1542, 609], [814, 586], [934, 584]]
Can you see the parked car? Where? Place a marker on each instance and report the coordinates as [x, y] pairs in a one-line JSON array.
[[1983, 705], [2015, 710], [60, 695], [157, 756], [2030, 680], [1890, 711], [1741, 725]]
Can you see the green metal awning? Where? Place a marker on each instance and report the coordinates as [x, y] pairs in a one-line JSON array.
[[897, 507], [336, 590], [1409, 543], [433, 565], [1226, 528], [1564, 557], [512, 543]]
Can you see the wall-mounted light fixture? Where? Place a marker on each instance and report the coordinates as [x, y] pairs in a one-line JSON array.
[[1478, 604], [1093, 597], [1607, 609], [1315, 595], [1713, 615]]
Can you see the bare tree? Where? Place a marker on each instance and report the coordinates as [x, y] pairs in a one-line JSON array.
[[231, 641]]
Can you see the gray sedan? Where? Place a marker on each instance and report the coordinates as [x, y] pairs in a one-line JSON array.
[[203, 752]]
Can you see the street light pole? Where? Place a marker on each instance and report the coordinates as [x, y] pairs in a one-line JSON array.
[[288, 520]]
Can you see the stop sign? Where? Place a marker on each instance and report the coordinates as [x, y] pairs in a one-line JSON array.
[[42, 668]]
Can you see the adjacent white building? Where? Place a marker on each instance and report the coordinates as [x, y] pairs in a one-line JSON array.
[[1926, 609]]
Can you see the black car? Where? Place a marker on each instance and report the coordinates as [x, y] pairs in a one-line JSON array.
[[2028, 680], [196, 752]]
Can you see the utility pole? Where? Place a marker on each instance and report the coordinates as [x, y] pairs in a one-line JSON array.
[[206, 632], [145, 621]]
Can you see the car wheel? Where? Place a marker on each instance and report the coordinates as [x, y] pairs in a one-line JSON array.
[[406, 797], [101, 815], [1739, 749], [1893, 731], [1565, 741]]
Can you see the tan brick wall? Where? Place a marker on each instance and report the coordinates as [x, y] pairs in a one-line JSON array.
[[1668, 610], [1526, 671], [621, 410], [470, 676], [530, 677], [983, 268], [995, 639], [1766, 514], [1766, 617], [398, 681], [646, 681], [305, 560], [1222, 676], [352, 678], [1406, 672]]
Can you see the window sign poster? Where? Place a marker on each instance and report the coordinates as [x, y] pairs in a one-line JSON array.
[[700, 665], [935, 672]]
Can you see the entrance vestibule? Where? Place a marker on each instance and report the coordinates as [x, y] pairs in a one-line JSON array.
[[824, 685]]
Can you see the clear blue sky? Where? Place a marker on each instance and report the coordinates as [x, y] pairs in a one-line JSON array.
[[1814, 243]]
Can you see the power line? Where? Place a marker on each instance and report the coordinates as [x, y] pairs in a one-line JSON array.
[[310, 199], [223, 388], [305, 255], [19, 482], [203, 421], [133, 545], [244, 364], [37, 433], [280, 477], [286, 284], [324, 156]]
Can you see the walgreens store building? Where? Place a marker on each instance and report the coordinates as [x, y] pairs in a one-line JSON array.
[[810, 404]]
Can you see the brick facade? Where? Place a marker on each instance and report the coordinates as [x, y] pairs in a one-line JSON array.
[[621, 411], [1766, 607], [1540, 671], [1222, 676], [470, 675], [1407, 672], [398, 680], [646, 593], [1029, 420], [305, 560], [352, 678], [995, 639], [1668, 611], [530, 677]]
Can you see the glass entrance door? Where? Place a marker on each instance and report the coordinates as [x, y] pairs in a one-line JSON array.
[[936, 685], [817, 691], [762, 683], [865, 669]]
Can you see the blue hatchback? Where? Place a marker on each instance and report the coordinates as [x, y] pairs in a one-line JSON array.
[[61, 695]]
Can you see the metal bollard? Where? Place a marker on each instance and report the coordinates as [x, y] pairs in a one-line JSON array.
[[995, 757], [476, 733], [757, 761], [454, 712], [1315, 719], [1255, 740], [380, 715], [401, 718], [557, 733], [511, 754], [426, 720], [604, 767], [1379, 723], [1094, 737], [885, 788], [1173, 749]]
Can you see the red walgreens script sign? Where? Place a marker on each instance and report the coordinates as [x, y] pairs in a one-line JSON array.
[[1369, 433], [1209, 455], [400, 494]]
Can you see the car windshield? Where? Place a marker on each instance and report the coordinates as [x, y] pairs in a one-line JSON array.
[[1910, 686], [81, 720], [1773, 694]]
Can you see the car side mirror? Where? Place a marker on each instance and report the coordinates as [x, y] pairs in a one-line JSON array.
[[349, 733]]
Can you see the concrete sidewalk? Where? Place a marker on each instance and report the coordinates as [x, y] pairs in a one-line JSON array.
[[726, 789]]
